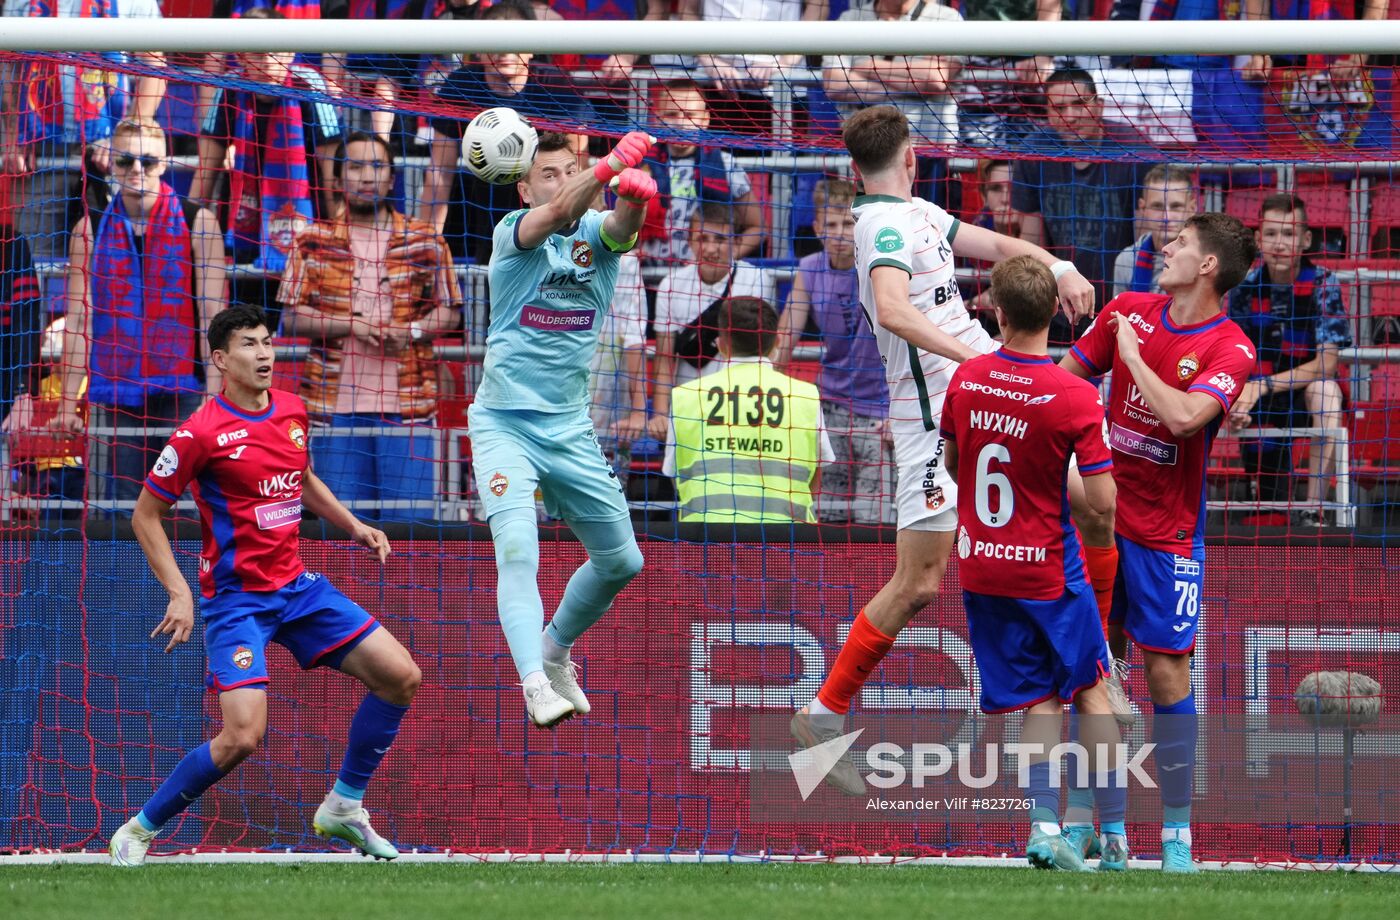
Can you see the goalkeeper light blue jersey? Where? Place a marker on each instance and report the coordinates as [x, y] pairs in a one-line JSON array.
[[547, 305]]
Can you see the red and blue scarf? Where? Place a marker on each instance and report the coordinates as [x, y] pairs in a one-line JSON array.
[[290, 9], [1144, 261], [143, 317], [269, 189], [95, 95]]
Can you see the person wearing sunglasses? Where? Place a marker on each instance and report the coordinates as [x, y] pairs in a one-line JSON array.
[[145, 276]]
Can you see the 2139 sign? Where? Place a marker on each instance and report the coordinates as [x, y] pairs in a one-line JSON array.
[[754, 407]]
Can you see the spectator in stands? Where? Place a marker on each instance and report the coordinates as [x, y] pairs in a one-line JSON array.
[[615, 68], [1083, 209], [384, 76], [372, 289], [1167, 200], [21, 324], [145, 277], [283, 154], [619, 396], [687, 305], [739, 83], [990, 107], [458, 205], [63, 114], [58, 471], [1342, 69], [855, 400], [744, 460], [994, 183], [687, 174], [920, 87], [1294, 313]]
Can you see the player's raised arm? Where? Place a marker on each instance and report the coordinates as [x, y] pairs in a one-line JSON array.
[[1076, 293], [1184, 413], [897, 314], [317, 498], [146, 523], [580, 190]]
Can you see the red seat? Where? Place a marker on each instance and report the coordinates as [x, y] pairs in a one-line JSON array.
[[287, 372], [1385, 386], [1385, 298], [1243, 204], [805, 370], [1326, 204], [1375, 444], [1385, 206]]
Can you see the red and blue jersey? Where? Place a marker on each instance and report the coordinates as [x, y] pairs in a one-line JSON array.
[[245, 470], [1017, 420], [1160, 477]]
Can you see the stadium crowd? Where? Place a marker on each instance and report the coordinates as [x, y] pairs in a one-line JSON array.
[[116, 254]]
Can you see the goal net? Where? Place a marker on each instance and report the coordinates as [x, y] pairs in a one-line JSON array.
[[692, 674]]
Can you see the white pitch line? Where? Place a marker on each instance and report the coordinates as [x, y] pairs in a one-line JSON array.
[[627, 857]]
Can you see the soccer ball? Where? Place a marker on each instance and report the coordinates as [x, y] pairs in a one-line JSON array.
[[500, 146]]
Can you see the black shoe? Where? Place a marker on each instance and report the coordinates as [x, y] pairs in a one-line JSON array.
[[1308, 520]]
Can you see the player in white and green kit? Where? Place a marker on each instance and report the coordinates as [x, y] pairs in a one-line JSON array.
[[553, 271]]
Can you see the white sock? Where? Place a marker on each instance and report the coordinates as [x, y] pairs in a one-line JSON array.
[[554, 653], [340, 804], [1177, 833], [534, 679], [817, 709]]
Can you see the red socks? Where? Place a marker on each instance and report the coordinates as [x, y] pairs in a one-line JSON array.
[[1101, 562], [864, 648]]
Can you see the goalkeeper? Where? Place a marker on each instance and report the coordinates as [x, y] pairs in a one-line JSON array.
[[552, 275]]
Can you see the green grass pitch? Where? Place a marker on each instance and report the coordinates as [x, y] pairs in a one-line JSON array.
[[721, 891]]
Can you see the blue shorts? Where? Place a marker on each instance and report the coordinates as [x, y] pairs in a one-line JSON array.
[[1157, 597], [1031, 651], [309, 618], [516, 452]]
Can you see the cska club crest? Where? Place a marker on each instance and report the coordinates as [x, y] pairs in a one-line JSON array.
[[582, 254], [1325, 111], [1186, 368], [243, 658], [284, 226], [498, 484], [297, 434]]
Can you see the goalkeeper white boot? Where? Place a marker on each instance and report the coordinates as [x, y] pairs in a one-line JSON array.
[[810, 733], [129, 845], [545, 707], [1115, 684], [353, 827], [563, 678]]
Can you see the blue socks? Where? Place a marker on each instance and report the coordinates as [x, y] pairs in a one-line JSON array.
[[1174, 732], [372, 733], [1111, 794], [194, 774], [516, 536], [1080, 807], [1045, 801], [597, 582]]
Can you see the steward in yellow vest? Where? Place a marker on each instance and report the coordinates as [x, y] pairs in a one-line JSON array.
[[747, 440]]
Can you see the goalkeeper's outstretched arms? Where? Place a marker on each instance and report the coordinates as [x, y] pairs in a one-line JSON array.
[[1076, 293], [580, 190]]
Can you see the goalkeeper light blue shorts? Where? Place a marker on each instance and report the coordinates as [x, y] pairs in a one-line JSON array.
[[515, 452], [1159, 596], [1029, 651]]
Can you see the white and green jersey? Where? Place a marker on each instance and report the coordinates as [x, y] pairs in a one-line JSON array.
[[915, 236]]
